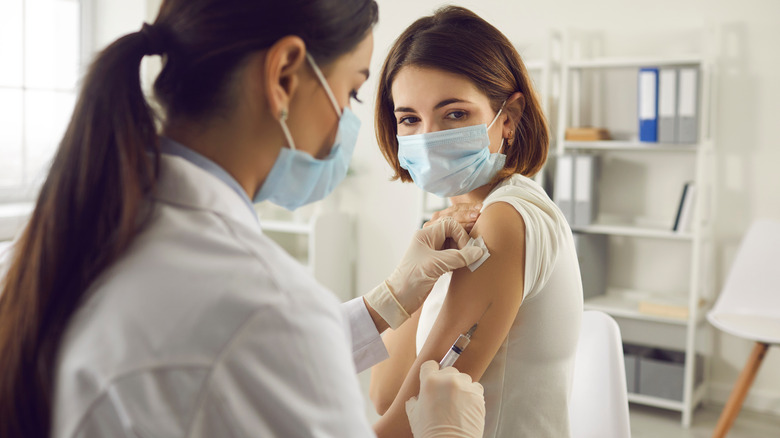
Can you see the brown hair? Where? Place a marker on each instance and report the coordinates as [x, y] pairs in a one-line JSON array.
[[94, 199], [456, 40]]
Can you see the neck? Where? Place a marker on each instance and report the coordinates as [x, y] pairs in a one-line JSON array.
[[475, 196], [245, 149]]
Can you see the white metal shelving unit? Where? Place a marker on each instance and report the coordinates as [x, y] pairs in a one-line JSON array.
[[312, 240], [653, 330]]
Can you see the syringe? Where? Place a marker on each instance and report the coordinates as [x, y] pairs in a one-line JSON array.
[[457, 348]]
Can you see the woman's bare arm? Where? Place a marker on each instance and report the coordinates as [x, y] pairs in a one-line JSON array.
[[496, 286], [388, 375]]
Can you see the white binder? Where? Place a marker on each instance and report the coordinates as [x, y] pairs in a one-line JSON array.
[[564, 185], [585, 202], [667, 105], [688, 106]]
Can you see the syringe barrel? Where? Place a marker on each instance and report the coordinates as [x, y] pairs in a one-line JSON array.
[[454, 352]]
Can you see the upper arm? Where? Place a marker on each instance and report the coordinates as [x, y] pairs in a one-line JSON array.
[[493, 292]]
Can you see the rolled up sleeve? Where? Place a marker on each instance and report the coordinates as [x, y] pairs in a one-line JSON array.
[[367, 346]]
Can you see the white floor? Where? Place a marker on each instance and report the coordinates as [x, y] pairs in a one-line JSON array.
[[647, 422]]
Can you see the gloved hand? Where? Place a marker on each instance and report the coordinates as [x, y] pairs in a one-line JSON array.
[[449, 405], [425, 261]]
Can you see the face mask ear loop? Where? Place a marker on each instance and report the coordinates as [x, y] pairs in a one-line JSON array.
[[285, 129], [324, 83], [496, 117], [501, 148]]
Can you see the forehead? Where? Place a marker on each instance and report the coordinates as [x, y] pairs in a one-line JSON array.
[[425, 87]]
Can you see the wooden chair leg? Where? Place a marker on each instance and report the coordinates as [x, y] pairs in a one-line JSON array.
[[740, 390]]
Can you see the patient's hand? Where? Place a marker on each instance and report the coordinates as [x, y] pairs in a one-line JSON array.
[[465, 214]]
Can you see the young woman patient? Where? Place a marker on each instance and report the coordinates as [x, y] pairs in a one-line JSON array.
[[456, 113]]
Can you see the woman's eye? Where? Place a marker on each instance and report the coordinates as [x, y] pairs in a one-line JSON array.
[[353, 95], [456, 115], [408, 120]]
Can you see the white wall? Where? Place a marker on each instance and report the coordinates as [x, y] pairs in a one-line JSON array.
[[749, 110], [114, 18]]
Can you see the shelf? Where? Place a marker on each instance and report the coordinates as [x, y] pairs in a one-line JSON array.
[[633, 231], [285, 227], [625, 304], [657, 402], [634, 62], [632, 146]]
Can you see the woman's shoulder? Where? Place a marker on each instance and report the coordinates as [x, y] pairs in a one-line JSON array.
[[530, 200]]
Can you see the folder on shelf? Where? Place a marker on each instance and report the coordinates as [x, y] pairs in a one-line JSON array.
[[585, 194], [564, 185], [648, 105], [688, 105], [667, 105], [684, 217]]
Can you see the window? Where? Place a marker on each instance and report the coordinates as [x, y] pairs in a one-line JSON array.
[[40, 49]]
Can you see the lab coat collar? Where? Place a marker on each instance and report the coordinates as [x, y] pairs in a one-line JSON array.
[[172, 147], [185, 184]]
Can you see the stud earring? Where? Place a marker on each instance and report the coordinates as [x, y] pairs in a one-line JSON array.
[[283, 115], [511, 139]]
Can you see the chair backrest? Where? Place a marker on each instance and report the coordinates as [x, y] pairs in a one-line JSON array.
[[599, 400], [753, 283]]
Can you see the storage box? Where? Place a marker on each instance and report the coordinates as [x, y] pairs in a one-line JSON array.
[[586, 133], [662, 374], [632, 364], [631, 356]]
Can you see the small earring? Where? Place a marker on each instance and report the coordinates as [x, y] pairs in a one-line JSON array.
[[283, 115], [511, 139]]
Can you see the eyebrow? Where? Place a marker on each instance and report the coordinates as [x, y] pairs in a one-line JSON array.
[[443, 103]]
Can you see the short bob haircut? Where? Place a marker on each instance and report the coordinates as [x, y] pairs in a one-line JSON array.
[[456, 40]]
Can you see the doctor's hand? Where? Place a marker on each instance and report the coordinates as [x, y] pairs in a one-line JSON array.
[[449, 405], [425, 261], [465, 213]]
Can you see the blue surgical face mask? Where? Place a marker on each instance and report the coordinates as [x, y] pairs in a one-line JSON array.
[[296, 177], [452, 162]]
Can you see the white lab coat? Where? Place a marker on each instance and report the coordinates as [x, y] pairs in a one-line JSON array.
[[206, 328]]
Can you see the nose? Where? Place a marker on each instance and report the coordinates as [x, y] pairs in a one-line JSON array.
[[428, 127]]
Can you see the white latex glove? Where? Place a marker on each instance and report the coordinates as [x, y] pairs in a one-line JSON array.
[[425, 261], [449, 405]]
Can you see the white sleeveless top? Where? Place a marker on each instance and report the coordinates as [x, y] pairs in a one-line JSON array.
[[528, 382]]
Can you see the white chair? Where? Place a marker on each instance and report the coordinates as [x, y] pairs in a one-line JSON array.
[[749, 307], [599, 399]]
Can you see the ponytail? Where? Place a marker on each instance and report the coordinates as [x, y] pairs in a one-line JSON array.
[[87, 213]]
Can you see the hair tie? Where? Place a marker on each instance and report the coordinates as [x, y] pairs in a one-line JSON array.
[[155, 39]]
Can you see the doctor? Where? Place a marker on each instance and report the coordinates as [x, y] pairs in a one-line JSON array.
[[143, 299]]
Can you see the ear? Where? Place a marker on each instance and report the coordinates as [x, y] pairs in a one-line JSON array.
[[513, 109], [283, 63]]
